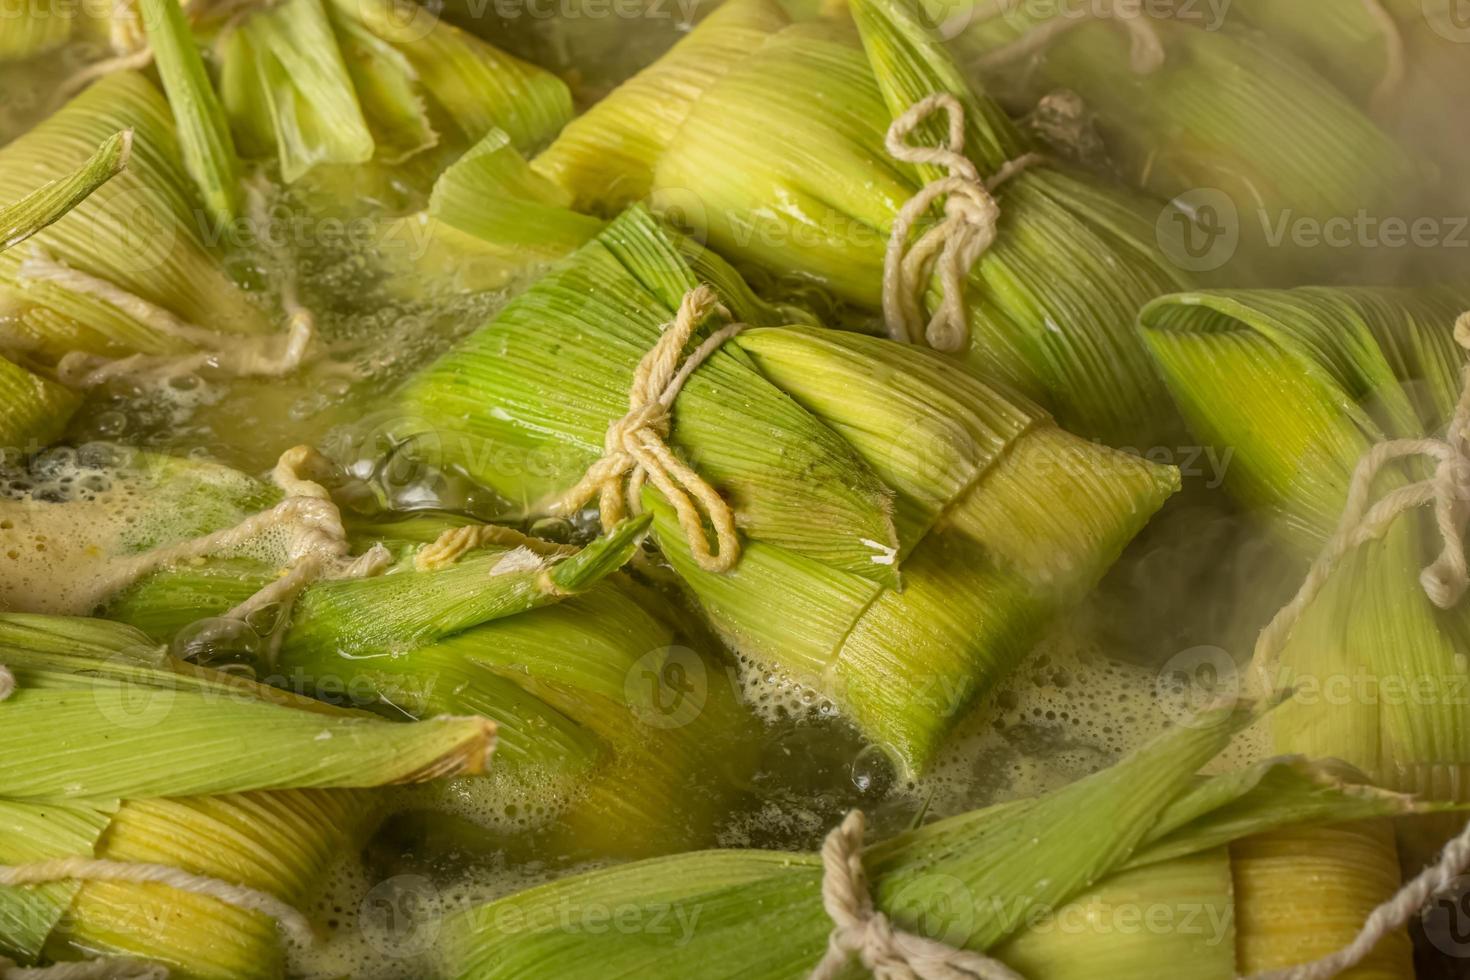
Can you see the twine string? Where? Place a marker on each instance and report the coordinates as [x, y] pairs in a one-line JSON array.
[[636, 451], [968, 229], [1146, 48], [1444, 581], [859, 929]]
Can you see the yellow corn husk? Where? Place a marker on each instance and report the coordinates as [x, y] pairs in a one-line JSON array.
[[345, 82], [35, 27], [605, 158], [280, 843], [1069, 885], [491, 221], [1301, 384], [38, 832], [34, 410], [140, 232], [1301, 894]]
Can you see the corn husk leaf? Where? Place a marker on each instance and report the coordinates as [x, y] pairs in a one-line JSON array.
[[169, 729], [523, 405], [47, 204], [606, 731], [35, 408], [997, 870], [333, 82], [35, 28], [780, 164], [1301, 384], [1005, 521], [36, 832], [490, 221], [1284, 145], [281, 843], [139, 232], [204, 136], [605, 158]]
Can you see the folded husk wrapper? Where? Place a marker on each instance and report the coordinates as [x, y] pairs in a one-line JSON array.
[[1005, 521], [779, 164], [100, 712], [1230, 112], [347, 81], [1300, 384], [141, 231], [611, 739], [281, 843], [523, 405], [1037, 883]]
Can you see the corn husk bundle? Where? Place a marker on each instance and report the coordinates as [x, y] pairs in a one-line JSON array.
[[598, 752], [903, 612], [779, 163], [314, 82], [1301, 384], [37, 408], [121, 753], [1224, 110], [1035, 883], [140, 233]]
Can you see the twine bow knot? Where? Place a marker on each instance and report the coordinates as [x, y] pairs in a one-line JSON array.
[[860, 930], [955, 244], [635, 450]]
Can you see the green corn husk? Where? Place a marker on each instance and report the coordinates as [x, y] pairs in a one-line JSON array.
[[34, 410], [490, 221], [50, 202], [598, 751], [139, 232], [605, 157], [1005, 521], [523, 405], [780, 164], [1300, 384], [904, 665], [1230, 115], [1143, 834], [172, 729], [204, 136], [344, 82], [1348, 44]]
